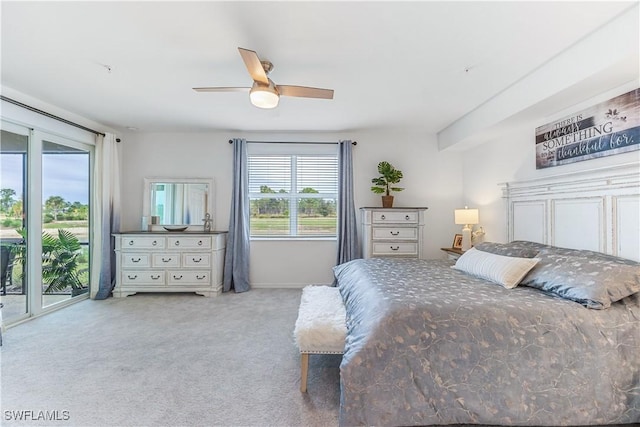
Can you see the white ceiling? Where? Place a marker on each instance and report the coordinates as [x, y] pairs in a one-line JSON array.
[[417, 64]]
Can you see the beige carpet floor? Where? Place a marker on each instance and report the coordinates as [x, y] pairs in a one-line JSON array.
[[166, 360]]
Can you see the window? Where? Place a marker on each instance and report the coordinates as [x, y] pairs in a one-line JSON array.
[[293, 195]]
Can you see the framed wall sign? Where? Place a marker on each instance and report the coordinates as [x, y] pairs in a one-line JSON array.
[[611, 127]]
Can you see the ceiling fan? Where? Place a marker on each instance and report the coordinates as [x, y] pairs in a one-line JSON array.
[[264, 93]]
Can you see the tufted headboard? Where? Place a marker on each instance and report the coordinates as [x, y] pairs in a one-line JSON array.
[[598, 210]]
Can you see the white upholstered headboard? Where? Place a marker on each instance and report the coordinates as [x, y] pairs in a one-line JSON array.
[[598, 210]]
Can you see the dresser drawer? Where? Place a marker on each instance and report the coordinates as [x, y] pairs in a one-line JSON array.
[[139, 277], [395, 249], [182, 242], [166, 260], [145, 242], [395, 233], [192, 277], [135, 260], [196, 260], [394, 217]]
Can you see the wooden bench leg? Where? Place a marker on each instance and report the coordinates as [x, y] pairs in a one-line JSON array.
[[304, 368]]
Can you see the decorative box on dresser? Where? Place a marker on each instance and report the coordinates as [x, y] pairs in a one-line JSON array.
[[392, 232], [169, 262]]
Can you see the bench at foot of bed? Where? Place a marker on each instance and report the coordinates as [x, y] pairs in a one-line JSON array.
[[320, 327]]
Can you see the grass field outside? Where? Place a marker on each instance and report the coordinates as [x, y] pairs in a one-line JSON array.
[[307, 226]]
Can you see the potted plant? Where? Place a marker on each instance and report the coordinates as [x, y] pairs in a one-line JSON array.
[[383, 184]]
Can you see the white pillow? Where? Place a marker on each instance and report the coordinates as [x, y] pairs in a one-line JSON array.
[[503, 270]]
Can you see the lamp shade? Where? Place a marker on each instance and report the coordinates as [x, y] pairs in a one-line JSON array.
[[264, 96], [466, 216]]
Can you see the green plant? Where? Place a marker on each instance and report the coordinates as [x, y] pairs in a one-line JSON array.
[[388, 176], [60, 259], [61, 256]]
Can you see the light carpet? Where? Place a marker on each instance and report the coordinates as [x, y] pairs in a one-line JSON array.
[[167, 360]]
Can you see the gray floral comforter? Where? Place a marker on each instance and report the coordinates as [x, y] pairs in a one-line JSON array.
[[428, 344]]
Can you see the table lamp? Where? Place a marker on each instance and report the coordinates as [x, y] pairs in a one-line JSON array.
[[468, 218]]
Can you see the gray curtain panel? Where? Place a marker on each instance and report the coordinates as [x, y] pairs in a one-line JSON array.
[[236, 261], [348, 245]]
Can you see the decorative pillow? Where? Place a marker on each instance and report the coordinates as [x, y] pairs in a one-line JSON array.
[[592, 279], [520, 249], [503, 270]]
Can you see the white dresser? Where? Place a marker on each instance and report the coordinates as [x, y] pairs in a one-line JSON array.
[[392, 232], [169, 262]]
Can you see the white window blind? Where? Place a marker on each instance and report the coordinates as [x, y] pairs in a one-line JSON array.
[[295, 194]]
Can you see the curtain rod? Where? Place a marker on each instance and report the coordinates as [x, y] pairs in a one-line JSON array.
[[51, 116], [292, 142]]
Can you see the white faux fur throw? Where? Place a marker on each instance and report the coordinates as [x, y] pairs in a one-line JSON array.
[[321, 326]]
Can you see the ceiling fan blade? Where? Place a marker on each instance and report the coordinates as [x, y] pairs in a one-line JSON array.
[[254, 66], [305, 92], [221, 89]]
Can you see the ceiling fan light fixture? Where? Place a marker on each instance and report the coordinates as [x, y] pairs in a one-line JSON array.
[[264, 96]]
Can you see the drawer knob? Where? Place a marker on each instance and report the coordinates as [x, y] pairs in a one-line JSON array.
[[135, 259], [407, 217], [130, 242], [196, 260], [394, 233], [200, 277], [394, 248], [132, 277], [177, 243], [383, 217], [166, 259], [154, 243], [155, 277], [199, 242], [177, 277]]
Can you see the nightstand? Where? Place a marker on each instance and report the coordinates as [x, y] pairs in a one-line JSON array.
[[452, 253]]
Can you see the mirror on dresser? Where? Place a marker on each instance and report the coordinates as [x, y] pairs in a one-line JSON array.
[[178, 202]]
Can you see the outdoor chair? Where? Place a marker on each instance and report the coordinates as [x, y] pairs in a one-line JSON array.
[[6, 267]]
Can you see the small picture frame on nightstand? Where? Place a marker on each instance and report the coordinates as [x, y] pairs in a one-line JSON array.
[[457, 241]]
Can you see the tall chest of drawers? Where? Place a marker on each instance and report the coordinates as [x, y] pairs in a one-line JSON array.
[[393, 232], [169, 262]]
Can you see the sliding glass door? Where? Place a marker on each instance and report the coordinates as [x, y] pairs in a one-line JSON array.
[[14, 144], [45, 193], [65, 221]]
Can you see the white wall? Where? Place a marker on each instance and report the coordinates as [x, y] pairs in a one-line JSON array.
[[431, 179], [511, 157]]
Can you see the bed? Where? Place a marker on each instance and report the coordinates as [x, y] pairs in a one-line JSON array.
[[430, 344]]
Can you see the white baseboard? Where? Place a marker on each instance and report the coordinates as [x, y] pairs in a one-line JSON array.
[[284, 285]]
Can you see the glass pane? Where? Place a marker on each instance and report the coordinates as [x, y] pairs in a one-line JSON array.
[[317, 217], [13, 161], [270, 188], [65, 214], [269, 216]]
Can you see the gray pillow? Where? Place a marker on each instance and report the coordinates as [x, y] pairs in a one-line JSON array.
[[592, 279], [518, 249]]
